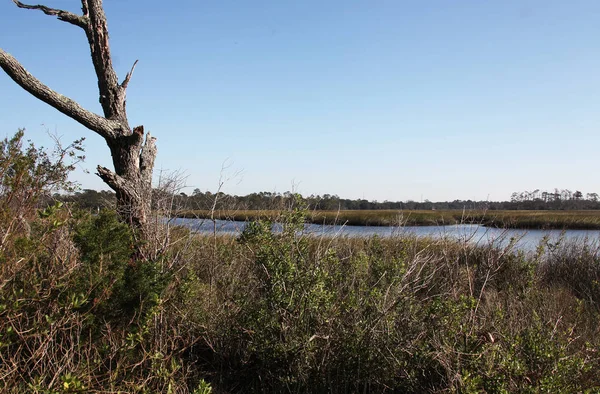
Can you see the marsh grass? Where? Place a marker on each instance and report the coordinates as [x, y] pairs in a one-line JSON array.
[[585, 219], [582, 220]]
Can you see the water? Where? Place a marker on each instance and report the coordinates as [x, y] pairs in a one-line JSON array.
[[473, 233]]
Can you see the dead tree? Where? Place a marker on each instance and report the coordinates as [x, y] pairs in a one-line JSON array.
[[132, 154]]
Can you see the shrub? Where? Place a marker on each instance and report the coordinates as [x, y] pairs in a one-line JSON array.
[[75, 314]]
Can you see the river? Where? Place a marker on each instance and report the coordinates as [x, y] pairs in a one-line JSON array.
[[525, 239]]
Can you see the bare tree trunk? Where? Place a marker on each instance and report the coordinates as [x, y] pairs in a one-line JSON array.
[[132, 154], [133, 161]]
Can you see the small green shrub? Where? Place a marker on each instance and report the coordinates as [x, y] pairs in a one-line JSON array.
[[116, 285], [293, 301]]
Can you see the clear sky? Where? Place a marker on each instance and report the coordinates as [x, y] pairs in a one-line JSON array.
[[377, 99]]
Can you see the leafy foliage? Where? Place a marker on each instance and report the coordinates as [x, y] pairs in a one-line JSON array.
[[277, 310], [75, 314]]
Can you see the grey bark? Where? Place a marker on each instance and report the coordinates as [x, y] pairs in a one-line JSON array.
[[133, 151]]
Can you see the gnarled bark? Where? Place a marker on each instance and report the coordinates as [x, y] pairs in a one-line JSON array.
[[132, 154]]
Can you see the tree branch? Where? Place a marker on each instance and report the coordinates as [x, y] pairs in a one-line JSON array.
[[111, 98], [65, 16], [106, 128], [117, 183], [128, 76]]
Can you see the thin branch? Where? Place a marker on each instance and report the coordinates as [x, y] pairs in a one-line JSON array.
[[64, 16], [128, 76], [106, 128]]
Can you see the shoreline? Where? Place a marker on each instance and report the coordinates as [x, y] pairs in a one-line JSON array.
[[526, 220]]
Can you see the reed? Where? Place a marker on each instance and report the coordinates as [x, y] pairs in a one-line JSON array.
[[585, 219]]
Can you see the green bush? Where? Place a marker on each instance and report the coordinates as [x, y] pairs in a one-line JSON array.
[[75, 314], [276, 310], [116, 286], [401, 314]]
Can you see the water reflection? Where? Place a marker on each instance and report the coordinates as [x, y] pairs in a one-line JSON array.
[[472, 233]]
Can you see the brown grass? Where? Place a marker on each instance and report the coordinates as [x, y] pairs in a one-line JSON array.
[[588, 219]]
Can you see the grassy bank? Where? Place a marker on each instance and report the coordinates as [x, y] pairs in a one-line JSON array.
[[284, 312], [87, 308], [503, 219]]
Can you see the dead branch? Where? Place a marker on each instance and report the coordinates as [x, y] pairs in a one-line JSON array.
[[128, 76], [65, 16], [105, 127]]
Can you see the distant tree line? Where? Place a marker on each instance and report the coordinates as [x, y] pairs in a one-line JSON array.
[[557, 199]]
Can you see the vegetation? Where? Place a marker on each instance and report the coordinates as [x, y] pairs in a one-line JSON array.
[[281, 312], [503, 219], [565, 212], [563, 200]]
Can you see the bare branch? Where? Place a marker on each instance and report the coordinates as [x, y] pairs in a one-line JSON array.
[[111, 98], [128, 76], [65, 16], [106, 128], [116, 182]]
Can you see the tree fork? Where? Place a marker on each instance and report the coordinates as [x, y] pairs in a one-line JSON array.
[[132, 156]]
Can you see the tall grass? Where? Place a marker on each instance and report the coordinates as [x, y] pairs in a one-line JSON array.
[[504, 219], [302, 314], [283, 311]]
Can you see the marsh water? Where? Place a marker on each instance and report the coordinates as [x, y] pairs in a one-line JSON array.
[[526, 240]]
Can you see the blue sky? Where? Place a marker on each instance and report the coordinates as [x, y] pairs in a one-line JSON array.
[[395, 100]]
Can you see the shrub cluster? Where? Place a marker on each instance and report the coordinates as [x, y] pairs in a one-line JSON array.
[[275, 310], [289, 313]]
